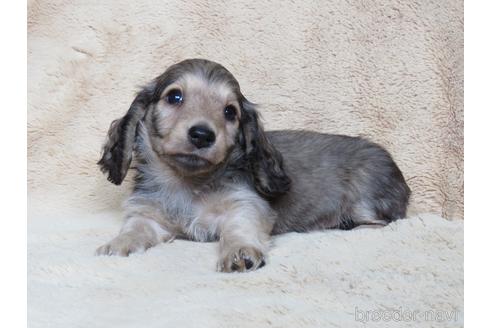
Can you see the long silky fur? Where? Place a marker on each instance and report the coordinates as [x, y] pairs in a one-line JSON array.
[[268, 183]]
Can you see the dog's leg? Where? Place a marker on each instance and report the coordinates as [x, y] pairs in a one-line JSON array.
[[244, 235], [365, 217], [243, 244], [136, 235]]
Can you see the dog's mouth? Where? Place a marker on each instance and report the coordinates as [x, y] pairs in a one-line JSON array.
[[190, 162]]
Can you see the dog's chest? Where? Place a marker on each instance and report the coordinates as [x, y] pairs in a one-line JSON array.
[[181, 204]]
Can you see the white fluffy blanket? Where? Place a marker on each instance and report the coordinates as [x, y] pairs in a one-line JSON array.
[[320, 279], [391, 70]]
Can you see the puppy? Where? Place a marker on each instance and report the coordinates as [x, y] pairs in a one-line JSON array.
[[206, 170]]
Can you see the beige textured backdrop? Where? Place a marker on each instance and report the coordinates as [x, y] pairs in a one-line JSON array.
[[389, 70]]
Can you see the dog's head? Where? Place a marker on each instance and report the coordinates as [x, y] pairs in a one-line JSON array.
[[195, 114]]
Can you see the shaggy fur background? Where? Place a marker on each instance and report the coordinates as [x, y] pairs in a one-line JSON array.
[[386, 69], [321, 279]]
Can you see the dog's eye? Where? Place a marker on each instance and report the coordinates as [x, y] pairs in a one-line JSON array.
[[230, 113], [174, 97]]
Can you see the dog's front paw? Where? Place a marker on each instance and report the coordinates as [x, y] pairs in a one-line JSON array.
[[125, 244], [241, 259]]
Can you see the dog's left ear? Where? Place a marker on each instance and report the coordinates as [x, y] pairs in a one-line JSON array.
[[265, 160]]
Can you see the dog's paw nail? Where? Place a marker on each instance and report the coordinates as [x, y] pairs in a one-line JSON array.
[[262, 264], [248, 263]]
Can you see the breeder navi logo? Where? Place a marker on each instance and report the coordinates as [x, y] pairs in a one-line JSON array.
[[403, 315]]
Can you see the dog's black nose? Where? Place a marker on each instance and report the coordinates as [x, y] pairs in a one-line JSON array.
[[201, 136]]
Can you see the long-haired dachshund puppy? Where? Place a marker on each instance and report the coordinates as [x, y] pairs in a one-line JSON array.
[[206, 170]]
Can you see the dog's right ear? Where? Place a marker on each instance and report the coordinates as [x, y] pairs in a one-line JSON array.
[[118, 149]]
